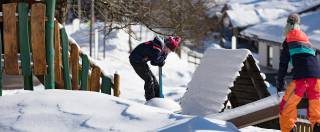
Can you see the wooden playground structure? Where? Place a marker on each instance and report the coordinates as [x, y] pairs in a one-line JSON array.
[[34, 44]]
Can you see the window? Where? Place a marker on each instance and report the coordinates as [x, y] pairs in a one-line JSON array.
[[269, 56]]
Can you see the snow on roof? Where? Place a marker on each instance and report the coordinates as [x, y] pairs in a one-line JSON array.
[[246, 13], [272, 31], [209, 87]]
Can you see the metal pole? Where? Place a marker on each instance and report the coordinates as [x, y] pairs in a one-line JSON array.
[[91, 25], [160, 83]]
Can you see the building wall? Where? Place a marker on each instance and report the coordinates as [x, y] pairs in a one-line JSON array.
[[262, 53], [276, 55]]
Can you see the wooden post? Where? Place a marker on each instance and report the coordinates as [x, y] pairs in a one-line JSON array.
[[65, 59], [37, 23], [0, 65], [57, 56], [23, 10], [84, 72], [50, 10], [10, 39], [106, 85], [75, 66], [116, 88], [95, 79]]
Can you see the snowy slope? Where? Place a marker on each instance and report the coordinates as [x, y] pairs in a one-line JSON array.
[[209, 87], [107, 113], [176, 72], [82, 111]]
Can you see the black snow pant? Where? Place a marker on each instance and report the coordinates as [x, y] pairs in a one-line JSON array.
[[151, 85]]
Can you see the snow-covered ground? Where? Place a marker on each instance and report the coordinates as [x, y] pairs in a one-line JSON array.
[[63, 110], [176, 72], [82, 111]]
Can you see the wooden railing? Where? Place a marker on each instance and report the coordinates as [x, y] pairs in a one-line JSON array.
[[27, 53], [303, 125]]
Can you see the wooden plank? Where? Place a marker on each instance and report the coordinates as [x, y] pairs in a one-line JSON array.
[[1, 64], [95, 79], [10, 39], [57, 56], [23, 9], [106, 85], [257, 117], [84, 72], [65, 59], [37, 22], [74, 59], [116, 88]]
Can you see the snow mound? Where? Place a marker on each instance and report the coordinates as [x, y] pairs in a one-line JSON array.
[[164, 103], [198, 123], [83, 111]]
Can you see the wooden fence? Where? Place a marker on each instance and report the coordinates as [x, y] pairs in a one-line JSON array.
[[194, 58], [27, 51]]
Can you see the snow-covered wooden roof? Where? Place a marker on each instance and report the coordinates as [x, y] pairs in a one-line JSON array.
[[272, 31], [244, 13], [212, 81]]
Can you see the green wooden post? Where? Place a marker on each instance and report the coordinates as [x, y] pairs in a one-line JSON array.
[[50, 9], [65, 58], [0, 64], [106, 85], [24, 42], [84, 72]]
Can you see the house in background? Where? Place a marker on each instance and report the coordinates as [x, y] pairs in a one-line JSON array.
[[269, 37], [238, 15]]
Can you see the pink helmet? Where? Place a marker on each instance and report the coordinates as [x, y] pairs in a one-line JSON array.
[[172, 42]]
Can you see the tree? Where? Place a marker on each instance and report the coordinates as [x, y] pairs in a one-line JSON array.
[[186, 18]]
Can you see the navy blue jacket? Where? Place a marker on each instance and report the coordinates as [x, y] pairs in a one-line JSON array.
[[301, 55], [149, 51]]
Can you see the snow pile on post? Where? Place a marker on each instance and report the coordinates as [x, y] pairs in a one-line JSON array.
[[208, 90]]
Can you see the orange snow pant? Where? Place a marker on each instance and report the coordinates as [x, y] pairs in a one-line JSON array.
[[294, 93]]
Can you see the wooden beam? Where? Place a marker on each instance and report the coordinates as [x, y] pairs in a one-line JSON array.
[[10, 39], [57, 57], [75, 66], [37, 22], [95, 79], [256, 117]]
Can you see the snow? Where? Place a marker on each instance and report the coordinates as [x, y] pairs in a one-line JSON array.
[[244, 13], [270, 101], [209, 87], [164, 103], [201, 124], [63, 111], [257, 129], [117, 60], [272, 31]]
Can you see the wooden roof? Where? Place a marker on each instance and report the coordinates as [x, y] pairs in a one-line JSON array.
[[250, 86]]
